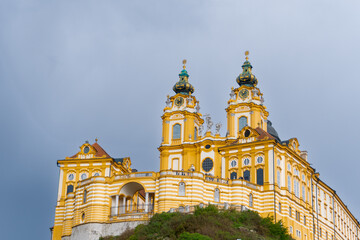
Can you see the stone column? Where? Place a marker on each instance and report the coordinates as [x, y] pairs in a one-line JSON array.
[[124, 204], [146, 202], [116, 205], [131, 205]]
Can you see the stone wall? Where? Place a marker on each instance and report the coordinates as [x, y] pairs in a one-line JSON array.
[[93, 231]]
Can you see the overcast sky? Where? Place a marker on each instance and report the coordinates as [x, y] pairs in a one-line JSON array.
[[71, 71]]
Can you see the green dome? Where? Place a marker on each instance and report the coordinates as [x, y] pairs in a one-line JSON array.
[[246, 77], [183, 86]]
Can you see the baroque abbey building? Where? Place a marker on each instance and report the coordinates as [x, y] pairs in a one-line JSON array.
[[249, 168]]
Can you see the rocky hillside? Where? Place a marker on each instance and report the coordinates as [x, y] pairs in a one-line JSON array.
[[206, 224]]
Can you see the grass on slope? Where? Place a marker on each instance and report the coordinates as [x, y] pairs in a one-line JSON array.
[[206, 224]]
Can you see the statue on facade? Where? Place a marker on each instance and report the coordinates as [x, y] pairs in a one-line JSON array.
[[232, 93], [217, 127], [168, 101], [197, 107], [209, 122], [201, 129]]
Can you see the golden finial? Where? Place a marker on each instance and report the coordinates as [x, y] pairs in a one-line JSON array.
[[184, 62], [96, 139], [247, 54]]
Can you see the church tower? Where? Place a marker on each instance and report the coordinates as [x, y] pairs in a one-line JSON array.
[[181, 122], [245, 107]]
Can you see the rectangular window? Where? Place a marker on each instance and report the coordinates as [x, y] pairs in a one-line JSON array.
[[290, 211], [289, 183], [304, 220]]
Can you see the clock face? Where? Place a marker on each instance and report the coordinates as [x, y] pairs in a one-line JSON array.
[[244, 93], [179, 101]]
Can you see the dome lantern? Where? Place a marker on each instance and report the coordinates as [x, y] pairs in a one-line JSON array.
[[246, 77], [183, 86]]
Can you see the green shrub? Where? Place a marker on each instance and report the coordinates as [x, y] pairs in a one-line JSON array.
[[208, 223]]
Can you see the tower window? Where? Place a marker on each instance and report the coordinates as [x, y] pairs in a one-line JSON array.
[[247, 175], [242, 123], [176, 131], [260, 176], [217, 195], [195, 134], [233, 175], [70, 189], [182, 189]]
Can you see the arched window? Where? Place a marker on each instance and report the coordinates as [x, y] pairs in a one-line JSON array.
[[70, 189], [195, 133], [182, 189], [279, 207], [242, 123], [233, 175], [260, 176], [85, 196], [250, 200], [217, 195], [176, 131], [247, 175]]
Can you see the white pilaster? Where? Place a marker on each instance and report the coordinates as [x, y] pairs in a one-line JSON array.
[[116, 205], [146, 202]]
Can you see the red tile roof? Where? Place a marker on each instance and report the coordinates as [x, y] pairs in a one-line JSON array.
[[100, 151], [263, 135]]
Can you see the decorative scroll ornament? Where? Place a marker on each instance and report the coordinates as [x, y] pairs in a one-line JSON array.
[[217, 127]]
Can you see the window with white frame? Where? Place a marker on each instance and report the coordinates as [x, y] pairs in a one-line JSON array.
[[177, 131], [217, 195], [289, 183], [181, 189], [278, 178]]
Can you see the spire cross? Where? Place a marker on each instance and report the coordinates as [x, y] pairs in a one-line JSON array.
[[184, 62], [247, 54]]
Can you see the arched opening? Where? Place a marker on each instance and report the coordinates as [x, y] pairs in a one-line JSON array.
[[247, 175], [132, 199], [233, 175], [70, 189], [217, 195], [260, 176], [177, 131], [251, 203], [195, 133], [181, 189]]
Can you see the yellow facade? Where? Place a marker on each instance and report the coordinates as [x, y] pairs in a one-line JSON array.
[[249, 168]]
